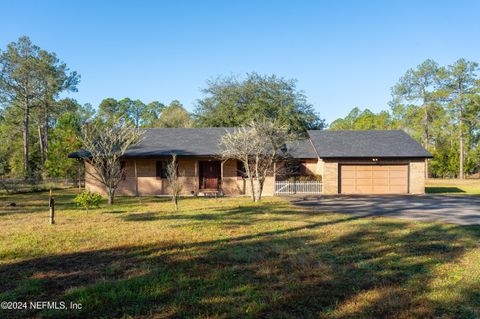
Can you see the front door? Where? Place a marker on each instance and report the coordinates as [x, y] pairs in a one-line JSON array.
[[209, 174]]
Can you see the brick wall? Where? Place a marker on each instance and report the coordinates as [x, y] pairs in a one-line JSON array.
[[148, 184], [416, 177], [330, 177]]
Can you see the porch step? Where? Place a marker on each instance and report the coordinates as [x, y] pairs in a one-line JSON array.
[[210, 193]]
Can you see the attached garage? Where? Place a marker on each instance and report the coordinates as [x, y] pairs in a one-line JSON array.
[[370, 162], [374, 179]]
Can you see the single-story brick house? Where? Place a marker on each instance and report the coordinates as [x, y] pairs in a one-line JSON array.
[[349, 162]]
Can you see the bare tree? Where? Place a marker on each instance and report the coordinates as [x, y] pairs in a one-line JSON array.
[[105, 146], [258, 146], [173, 181]]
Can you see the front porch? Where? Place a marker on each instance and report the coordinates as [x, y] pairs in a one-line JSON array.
[[200, 176]]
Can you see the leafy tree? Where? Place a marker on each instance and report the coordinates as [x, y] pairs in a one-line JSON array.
[[109, 110], [174, 115], [134, 111], [55, 78], [31, 80], [363, 120], [20, 86], [421, 89], [233, 102], [471, 117], [64, 140], [152, 113], [461, 83]]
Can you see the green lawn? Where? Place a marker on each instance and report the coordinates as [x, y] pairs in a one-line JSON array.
[[230, 258], [453, 186]]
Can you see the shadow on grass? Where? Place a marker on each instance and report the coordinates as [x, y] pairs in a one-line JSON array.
[[140, 217], [27, 203], [238, 215], [442, 190], [377, 269]]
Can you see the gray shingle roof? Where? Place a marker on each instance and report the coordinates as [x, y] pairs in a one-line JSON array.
[[181, 141], [157, 142], [328, 144], [394, 143], [301, 149]]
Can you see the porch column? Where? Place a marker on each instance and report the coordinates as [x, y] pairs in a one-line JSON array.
[[221, 175], [197, 183], [274, 176], [79, 175]]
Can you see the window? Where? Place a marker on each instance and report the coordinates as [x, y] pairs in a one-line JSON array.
[[241, 173], [161, 169]]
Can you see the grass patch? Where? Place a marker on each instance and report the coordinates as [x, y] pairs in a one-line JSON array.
[[453, 186], [231, 258]]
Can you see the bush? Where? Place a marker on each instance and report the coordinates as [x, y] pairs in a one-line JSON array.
[[310, 178], [305, 178], [88, 200]]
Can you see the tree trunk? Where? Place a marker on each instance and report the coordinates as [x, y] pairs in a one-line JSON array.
[[175, 200], [462, 155], [460, 128], [260, 189], [45, 136], [252, 186], [111, 195], [26, 124], [426, 137], [42, 145]]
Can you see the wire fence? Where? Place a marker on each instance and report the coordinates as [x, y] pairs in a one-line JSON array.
[[17, 185]]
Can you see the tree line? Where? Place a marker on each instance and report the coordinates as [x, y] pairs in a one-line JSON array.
[[41, 126], [437, 105]]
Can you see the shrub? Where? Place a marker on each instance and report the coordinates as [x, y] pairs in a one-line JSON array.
[[305, 178], [310, 178], [88, 200]]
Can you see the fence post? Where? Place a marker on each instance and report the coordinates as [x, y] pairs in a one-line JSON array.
[[51, 204]]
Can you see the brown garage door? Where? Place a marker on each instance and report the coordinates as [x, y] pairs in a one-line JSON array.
[[374, 179]]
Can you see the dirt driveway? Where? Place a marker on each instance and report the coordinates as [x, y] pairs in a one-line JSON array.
[[455, 209]]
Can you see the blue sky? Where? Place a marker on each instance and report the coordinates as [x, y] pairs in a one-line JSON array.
[[343, 53]]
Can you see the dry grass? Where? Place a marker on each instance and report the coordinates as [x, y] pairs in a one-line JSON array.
[[230, 258]]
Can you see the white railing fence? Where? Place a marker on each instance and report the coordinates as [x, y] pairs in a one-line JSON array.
[[288, 187]]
